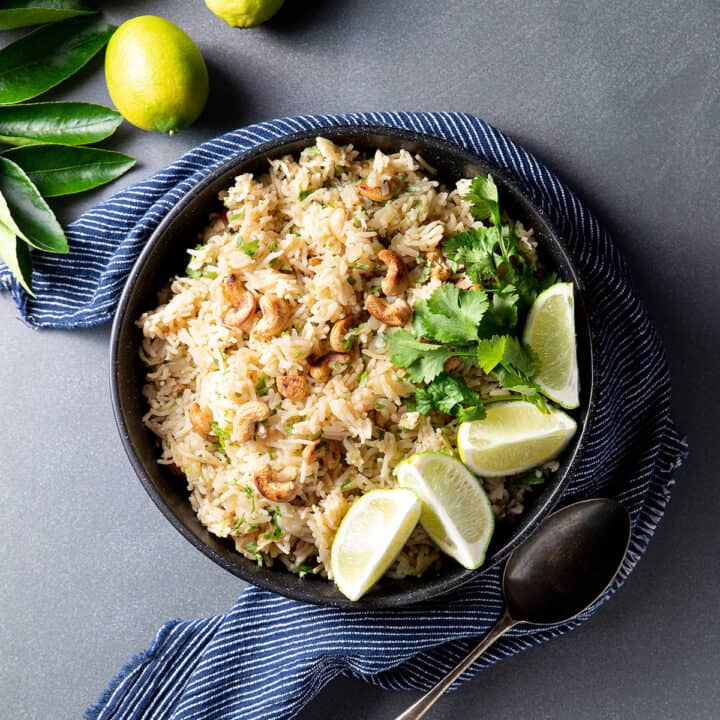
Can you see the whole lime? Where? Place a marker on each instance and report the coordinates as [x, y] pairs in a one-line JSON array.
[[244, 13], [155, 74]]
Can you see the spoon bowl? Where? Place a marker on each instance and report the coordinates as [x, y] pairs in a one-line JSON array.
[[568, 563], [560, 571]]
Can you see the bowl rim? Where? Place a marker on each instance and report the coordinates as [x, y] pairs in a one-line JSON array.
[[270, 579]]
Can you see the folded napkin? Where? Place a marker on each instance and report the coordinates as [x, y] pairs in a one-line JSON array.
[[268, 656]]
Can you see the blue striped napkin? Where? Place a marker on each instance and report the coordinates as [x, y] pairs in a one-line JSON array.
[[269, 656]]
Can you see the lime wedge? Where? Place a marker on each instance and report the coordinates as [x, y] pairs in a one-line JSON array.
[[513, 436], [370, 537], [550, 331], [456, 512]]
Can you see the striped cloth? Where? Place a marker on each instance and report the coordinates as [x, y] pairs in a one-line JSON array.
[[269, 656]]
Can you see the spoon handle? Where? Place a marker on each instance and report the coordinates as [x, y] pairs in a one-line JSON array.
[[419, 708]]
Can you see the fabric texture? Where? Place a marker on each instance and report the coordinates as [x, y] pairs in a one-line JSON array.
[[269, 656]]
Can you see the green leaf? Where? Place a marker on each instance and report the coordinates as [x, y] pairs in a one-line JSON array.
[[483, 199], [16, 13], [491, 352], [450, 395], [69, 123], [16, 255], [65, 170], [45, 57], [450, 315], [423, 361], [29, 210]]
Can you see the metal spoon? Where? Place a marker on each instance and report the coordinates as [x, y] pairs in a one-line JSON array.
[[560, 571]]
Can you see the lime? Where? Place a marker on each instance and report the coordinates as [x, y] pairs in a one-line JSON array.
[[370, 537], [155, 74], [456, 512], [550, 331], [513, 437], [244, 13]]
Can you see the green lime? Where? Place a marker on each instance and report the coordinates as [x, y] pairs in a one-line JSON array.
[[244, 13], [513, 437], [370, 537], [155, 74], [550, 331], [456, 513]]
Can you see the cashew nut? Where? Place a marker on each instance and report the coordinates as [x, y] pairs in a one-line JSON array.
[[293, 387], [242, 311], [396, 279], [378, 193], [276, 317], [248, 414], [233, 289], [338, 332], [395, 314], [273, 488], [324, 367], [327, 451], [201, 420], [452, 363]]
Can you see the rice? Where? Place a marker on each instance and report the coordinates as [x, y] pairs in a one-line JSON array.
[[303, 233]]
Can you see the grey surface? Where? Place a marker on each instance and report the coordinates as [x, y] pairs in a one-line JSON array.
[[622, 100]]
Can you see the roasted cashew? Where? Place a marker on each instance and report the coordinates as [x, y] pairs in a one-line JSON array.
[[242, 311], [327, 451], [273, 488], [378, 194], [396, 279], [201, 420], [233, 289], [248, 414], [338, 332], [276, 315], [324, 367], [293, 387], [395, 314], [452, 363]]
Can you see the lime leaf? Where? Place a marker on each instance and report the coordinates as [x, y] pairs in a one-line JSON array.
[[45, 57], [19, 13], [33, 216], [64, 169], [70, 123], [16, 255]]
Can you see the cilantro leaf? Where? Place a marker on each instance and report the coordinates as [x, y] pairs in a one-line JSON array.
[[483, 199], [450, 315], [474, 250], [423, 361], [249, 248], [450, 395]]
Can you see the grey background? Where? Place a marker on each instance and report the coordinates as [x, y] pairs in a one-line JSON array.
[[622, 100]]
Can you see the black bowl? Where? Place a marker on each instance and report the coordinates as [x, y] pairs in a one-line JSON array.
[[164, 255]]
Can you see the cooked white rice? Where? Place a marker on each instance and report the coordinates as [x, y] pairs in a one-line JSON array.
[[318, 251]]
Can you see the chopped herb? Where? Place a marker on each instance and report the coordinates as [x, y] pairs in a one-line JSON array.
[[289, 429], [306, 193], [425, 272], [359, 266], [304, 570], [261, 386], [249, 248], [272, 247], [413, 188], [252, 548], [339, 170], [312, 151], [534, 478], [346, 484], [275, 520], [250, 495], [237, 215], [363, 379], [193, 273], [379, 405], [212, 274], [222, 434], [237, 525]]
